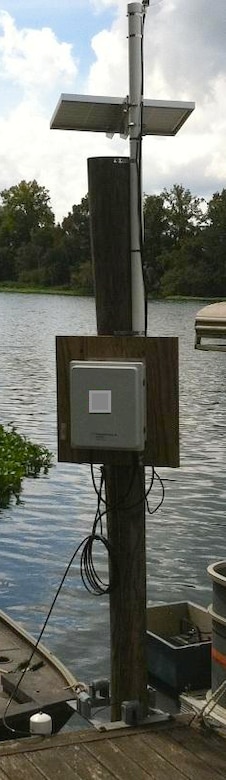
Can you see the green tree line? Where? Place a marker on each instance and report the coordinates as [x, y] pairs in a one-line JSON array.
[[184, 250]]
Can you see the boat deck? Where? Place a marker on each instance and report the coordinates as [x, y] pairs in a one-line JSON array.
[[172, 750]]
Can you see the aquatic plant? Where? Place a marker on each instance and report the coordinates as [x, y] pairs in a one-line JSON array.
[[19, 458]]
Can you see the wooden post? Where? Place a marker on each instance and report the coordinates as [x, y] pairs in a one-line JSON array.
[[110, 233], [110, 240]]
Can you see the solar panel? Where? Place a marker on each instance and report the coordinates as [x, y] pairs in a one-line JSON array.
[[110, 115]]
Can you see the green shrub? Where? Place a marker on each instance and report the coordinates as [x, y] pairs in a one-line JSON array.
[[19, 458]]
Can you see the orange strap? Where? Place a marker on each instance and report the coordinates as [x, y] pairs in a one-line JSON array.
[[219, 657]]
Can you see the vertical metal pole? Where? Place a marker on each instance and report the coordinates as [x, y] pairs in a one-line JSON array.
[[135, 24]]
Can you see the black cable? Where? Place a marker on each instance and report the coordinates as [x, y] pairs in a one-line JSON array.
[[121, 499], [91, 580], [120, 503], [157, 476], [97, 490]]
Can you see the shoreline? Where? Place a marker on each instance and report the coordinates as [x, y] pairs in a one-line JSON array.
[[43, 291], [80, 294]]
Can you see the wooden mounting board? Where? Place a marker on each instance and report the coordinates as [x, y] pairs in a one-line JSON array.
[[161, 358]]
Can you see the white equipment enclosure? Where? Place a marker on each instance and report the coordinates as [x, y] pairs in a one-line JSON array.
[[108, 404]]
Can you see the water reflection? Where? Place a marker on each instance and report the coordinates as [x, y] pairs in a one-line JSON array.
[[38, 537]]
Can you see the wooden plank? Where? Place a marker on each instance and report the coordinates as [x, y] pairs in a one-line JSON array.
[[205, 746], [112, 757], [86, 766], [27, 745], [148, 759], [35, 744], [18, 768], [51, 763], [3, 776], [191, 766], [161, 358]]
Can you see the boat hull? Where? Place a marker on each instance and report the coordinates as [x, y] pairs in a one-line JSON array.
[[46, 684]]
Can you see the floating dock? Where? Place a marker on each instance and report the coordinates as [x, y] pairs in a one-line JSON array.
[[210, 328]]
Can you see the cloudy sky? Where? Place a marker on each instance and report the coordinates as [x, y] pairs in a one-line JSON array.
[[80, 46]]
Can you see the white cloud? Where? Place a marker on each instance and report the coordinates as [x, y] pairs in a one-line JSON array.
[[101, 5], [38, 66], [187, 40], [33, 58], [109, 73]]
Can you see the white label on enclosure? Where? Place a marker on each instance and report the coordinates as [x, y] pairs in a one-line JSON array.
[[99, 401]]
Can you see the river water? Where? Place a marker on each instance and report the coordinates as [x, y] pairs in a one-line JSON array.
[[37, 538]]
